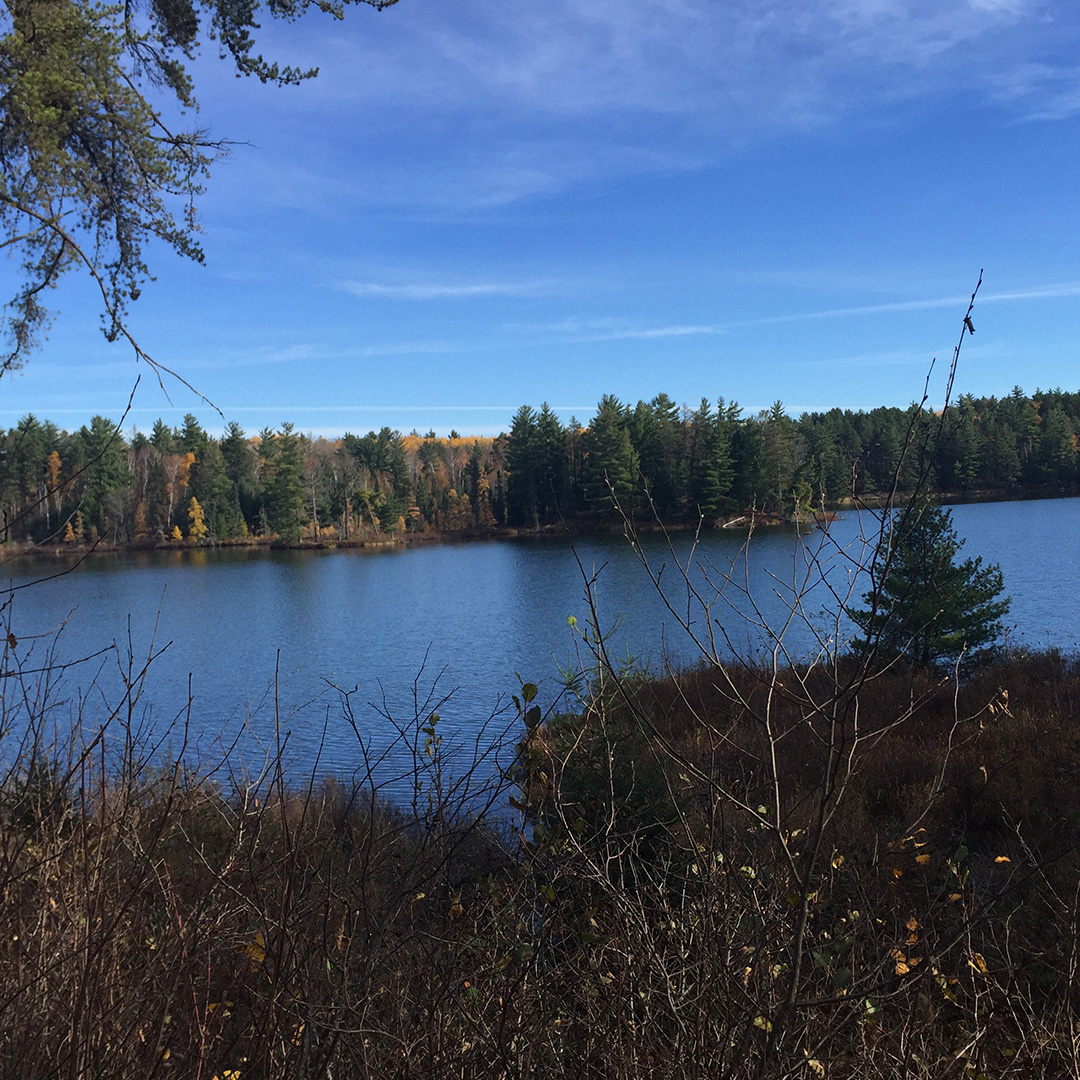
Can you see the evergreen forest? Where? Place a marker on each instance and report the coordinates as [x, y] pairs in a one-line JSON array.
[[680, 464]]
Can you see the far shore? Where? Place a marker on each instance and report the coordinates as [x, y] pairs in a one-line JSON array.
[[744, 521]]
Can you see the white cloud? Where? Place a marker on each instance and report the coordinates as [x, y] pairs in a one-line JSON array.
[[436, 290], [647, 333], [736, 62], [505, 98], [1039, 292], [613, 329]]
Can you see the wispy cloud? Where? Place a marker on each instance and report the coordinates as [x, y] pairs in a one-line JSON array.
[[891, 358], [611, 329], [518, 102], [785, 60], [1039, 292], [846, 312], [668, 332], [507, 98], [313, 352], [1039, 91], [438, 290], [908, 357]]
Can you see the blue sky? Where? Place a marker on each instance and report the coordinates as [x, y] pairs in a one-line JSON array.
[[478, 205]]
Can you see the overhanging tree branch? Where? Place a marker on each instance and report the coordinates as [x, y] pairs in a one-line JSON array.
[[81, 141]]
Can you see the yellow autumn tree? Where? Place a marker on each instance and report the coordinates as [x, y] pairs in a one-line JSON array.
[[177, 469], [197, 530], [177, 535], [52, 467], [459, 515]]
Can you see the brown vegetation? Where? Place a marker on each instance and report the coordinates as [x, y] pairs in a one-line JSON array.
[[160, 919]]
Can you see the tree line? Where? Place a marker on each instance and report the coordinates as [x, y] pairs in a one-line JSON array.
[[183, 485], [714, 460]]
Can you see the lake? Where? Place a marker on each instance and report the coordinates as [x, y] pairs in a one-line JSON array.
[[269, 641]]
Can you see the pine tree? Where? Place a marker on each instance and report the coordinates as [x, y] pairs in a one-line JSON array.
[[924, 605], [552, 472], [611, 465], [523, 469], [713, 473], [778, 458], [284, 492]]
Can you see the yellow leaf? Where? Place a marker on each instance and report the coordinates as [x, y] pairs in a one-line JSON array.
[[956, 896], [763, 1023], [912, 924], [254, 950], [456, 909], [897, 872], [1002, 858], [922, 860], [816, 1066], [901, 968], [979, 964]]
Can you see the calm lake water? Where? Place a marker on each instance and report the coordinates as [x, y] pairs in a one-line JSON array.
[[269, 641]]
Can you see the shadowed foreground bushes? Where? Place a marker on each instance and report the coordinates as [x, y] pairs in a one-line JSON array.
[[164, 920]]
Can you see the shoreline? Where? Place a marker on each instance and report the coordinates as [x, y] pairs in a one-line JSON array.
[[744, 521]]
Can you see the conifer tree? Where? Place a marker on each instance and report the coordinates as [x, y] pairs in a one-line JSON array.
[[713, 473], [611, 465], [285, 488], [924, 605], [92, 174], [523, 467]]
